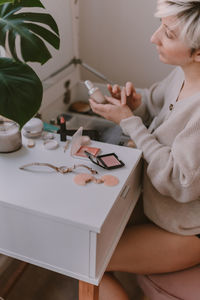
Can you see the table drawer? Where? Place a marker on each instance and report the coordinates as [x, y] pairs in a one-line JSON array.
[[115, 223], [44, 242]]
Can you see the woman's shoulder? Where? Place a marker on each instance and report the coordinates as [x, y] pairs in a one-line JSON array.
[[175, 76], [176, 73]]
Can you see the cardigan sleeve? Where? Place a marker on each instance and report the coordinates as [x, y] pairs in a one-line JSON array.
[[174, 171], [153, 99]]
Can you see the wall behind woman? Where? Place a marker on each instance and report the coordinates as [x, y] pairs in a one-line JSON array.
[[115, 39]]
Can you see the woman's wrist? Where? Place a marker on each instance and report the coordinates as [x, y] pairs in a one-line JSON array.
[[126, 115]]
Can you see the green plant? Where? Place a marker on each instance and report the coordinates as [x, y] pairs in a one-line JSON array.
[[20, 88]]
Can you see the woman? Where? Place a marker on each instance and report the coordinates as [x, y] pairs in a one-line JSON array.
[[164, 123]]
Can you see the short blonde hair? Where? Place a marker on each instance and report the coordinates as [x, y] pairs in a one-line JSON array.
[[187, 13]]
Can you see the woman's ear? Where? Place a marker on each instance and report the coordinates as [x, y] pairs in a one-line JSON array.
[[196, 55]]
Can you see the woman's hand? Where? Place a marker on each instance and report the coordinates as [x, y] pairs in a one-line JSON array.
[[133, 100], [114, 90], [115, 110]]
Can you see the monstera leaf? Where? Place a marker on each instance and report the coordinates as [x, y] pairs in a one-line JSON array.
[[20, 88], [21, 91], [28, 26], [5, 1]]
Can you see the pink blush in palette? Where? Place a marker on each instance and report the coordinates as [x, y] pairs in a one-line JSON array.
[[110, 160]]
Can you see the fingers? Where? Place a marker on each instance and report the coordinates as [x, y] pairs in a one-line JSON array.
[[97, 108], [113, 100], [109, 87], [103, 109], [129, 88], [110, 111], [138, 97], [123, 96], [127, 95], [114, 90]]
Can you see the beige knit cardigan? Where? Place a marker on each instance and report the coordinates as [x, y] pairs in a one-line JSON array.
[[168, 133]]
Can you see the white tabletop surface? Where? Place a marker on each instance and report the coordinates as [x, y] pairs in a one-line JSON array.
[[46, 192]]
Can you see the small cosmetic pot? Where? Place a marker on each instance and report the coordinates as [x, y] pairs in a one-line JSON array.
[[33, 128]]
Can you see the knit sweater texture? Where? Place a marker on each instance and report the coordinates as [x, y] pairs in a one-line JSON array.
[[168, 133]]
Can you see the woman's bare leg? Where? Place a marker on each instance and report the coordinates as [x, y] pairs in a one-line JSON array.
[[111, 289], [148, 249]]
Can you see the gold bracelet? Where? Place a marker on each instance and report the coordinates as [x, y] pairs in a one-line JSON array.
[[61, 169]]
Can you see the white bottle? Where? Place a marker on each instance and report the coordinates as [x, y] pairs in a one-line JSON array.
[[94, 92]]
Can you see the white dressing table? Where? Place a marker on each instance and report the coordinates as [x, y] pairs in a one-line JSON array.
[[49, 221]]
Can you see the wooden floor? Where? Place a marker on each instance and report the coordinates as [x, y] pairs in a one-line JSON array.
[[39, 284]]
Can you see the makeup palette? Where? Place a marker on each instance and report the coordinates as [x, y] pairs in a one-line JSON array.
[[79, 145], [107, 161], [92, 150]]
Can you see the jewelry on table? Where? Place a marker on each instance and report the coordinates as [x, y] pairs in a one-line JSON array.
[[61, 169]]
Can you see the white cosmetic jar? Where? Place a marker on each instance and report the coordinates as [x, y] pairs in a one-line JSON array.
[[10, 136], [33, 128]]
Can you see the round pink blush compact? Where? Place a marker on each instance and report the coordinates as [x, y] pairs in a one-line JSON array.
[[110, 180], [82, 178]]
